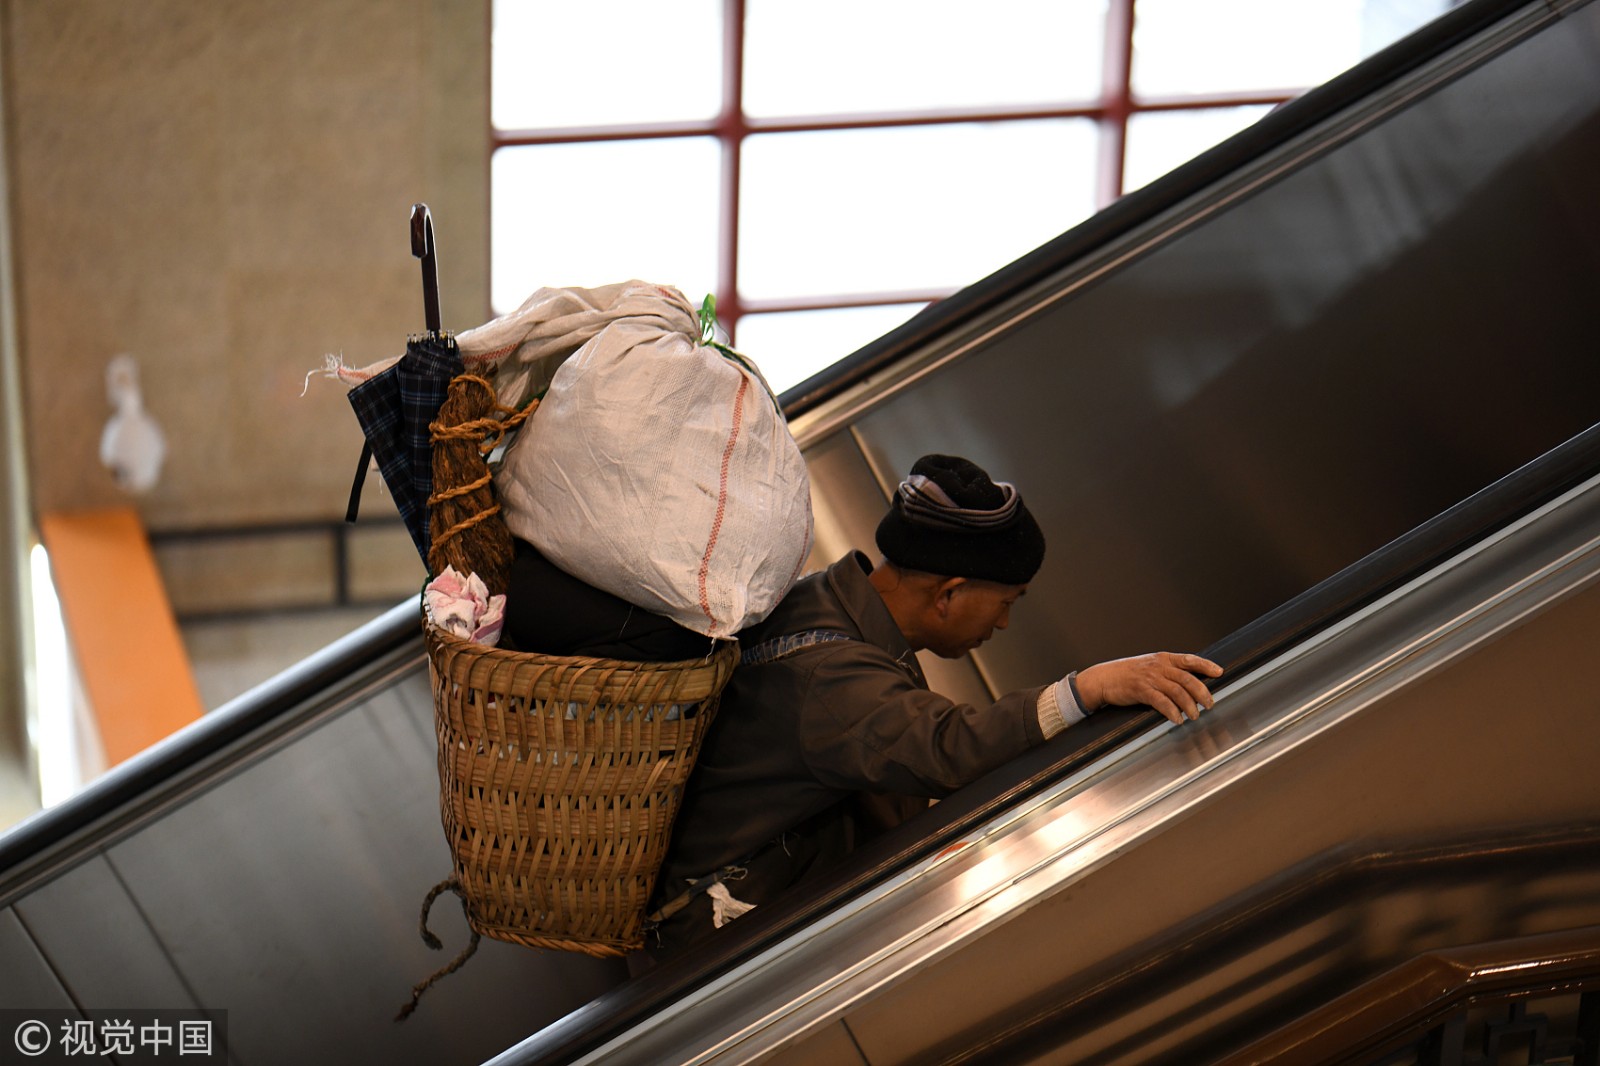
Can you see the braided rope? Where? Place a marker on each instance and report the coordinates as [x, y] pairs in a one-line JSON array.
[[453, 885], [467, 523], [461, 490], [491, 428]]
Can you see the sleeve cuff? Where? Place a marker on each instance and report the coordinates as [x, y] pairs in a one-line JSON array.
[[1058, 706]]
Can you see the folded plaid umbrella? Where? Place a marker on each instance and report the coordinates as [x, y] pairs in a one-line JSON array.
[[396, 404], [394, 408]]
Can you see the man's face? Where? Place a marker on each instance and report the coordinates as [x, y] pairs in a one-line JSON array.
[[971, 614]]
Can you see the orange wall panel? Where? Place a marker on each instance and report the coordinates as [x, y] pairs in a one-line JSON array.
[[125, 639]]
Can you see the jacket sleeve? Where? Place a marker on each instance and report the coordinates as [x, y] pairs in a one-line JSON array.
[[870, 726]]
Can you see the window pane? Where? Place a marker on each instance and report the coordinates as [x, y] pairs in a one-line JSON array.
[[592, 214], [921, 207], [790, 346], [557, 63], [828, 56], [1180, 46], [1161, 140]]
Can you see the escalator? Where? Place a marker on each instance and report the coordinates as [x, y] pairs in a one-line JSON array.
[[1318, 404]]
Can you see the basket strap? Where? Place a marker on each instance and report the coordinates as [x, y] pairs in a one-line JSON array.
[[731, 872], [736, 870], [782, 647]]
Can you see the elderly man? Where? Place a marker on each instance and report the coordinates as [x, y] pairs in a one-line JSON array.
[[828, 732]]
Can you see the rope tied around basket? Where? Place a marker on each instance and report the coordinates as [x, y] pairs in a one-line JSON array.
[[465, 527], [450, 884]]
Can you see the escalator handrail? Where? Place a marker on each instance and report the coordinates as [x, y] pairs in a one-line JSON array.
[[1404, 1003]]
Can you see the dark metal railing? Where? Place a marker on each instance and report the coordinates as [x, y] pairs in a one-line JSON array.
[[1427, 1011], [338, 534]]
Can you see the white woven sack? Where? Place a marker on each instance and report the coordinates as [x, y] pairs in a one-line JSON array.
[[662, 471]]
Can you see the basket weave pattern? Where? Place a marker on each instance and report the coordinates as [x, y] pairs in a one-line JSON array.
[[559, 780]]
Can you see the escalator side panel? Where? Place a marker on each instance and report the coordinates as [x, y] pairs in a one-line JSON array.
[[26, 979], [100, 943]]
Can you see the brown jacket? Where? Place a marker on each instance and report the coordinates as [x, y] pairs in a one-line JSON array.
[[801, 740]]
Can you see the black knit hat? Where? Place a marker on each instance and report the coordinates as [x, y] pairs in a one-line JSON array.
[[949, 518]]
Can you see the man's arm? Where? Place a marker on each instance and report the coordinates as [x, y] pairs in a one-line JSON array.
[[873, 729], [869, 727]]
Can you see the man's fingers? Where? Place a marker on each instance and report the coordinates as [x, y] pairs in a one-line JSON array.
[[1192, 664], [1183, 691], [1188, 701], [1166, 707], [1168, 696], [1197, 690], [1193, 695]]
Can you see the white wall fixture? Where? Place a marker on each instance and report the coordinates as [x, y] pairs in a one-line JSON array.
[[132, 445]]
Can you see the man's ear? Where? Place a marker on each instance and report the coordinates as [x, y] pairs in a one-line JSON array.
[[944, 592]]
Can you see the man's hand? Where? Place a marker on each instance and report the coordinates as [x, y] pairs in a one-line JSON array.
[[1165, 680]]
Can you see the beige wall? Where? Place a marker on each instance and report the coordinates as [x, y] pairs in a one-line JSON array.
[[222, 189]]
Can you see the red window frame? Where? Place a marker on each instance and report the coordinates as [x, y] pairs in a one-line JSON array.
[[1117, 103]]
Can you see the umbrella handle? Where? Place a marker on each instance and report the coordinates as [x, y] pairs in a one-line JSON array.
[[422, 247]]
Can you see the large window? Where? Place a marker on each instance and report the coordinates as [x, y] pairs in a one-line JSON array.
[[827, 168]]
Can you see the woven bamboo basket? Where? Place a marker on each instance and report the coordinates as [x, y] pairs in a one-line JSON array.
[[559, 776], [559, 780]]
